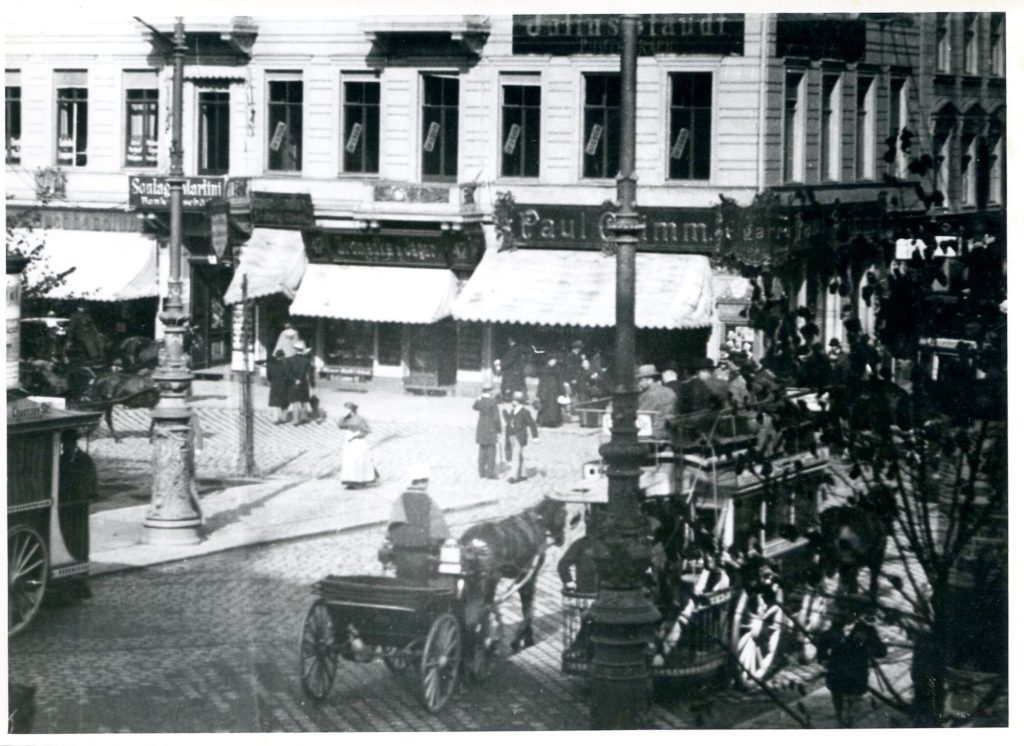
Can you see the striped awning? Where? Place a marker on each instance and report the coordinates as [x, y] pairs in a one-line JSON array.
[[577, 288], [274, 262], [409, 295], [104, 266]]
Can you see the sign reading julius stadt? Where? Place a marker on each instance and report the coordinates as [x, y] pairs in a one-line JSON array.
[[667, 33], [153, 192]]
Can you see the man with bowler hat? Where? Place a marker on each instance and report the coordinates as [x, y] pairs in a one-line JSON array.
[[519, 426], [488, 428], [656, 398]]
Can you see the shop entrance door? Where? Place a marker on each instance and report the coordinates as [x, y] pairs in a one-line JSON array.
[[433, 355], [211, 330]]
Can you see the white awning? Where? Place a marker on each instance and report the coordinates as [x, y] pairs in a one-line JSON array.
[[409, 295], [273, 260], [106, 266], [577, 288]]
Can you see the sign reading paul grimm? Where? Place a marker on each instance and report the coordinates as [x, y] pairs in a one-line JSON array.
[[665, 33]]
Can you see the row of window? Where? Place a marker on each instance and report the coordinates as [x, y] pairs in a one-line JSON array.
[[689, 144], [970, 62], [981, 141]]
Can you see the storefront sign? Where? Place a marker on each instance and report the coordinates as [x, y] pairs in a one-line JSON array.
[[112, 221], [669, 33], [282, 210], [461, 251], [153, 192], [410, 193], [689, 230], [219, 231], [820, 38]]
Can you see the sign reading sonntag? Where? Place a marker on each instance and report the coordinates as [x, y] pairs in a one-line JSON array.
[[661, 33], [153, 192]]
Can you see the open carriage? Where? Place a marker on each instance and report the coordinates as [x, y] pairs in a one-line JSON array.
[[719, 484], [47, 530]]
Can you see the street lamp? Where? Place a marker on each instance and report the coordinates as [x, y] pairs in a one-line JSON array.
[[173, 517], [623, 616]]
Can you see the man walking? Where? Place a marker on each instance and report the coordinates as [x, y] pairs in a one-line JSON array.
[[488, 428], [519, 425]]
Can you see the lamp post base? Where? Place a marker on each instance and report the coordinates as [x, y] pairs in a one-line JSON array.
[[174, 532]]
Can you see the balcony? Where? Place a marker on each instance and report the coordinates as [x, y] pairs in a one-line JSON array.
[[432, 36]]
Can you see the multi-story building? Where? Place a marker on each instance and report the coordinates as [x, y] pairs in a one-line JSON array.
[[411, 191]]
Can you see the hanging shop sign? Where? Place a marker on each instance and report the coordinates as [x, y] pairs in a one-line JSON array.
[[281, 210], [667, 33], [219, 229], [461, 250], [154, 192]]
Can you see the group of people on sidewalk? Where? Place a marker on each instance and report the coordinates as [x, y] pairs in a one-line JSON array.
[[516, 423], [292, 378]]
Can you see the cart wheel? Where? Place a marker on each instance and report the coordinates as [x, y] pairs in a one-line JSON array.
[[483, 650], [757, 628], [439, 669], [28, 569], [811, 620], [318, 652]]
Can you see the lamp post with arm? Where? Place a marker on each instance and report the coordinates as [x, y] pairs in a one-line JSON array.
[[173, 517], [623, 616]]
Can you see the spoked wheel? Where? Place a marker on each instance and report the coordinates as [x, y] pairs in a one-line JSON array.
[[811, 619], [483, 649], [318, 652], [757, 629], [439, 669], [28, 569]]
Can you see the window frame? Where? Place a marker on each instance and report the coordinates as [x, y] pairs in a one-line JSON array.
[[77, 107], [691, 139], [445, 110], [898, 167], [287, 78], [943, 44], [344, 131], [150, 103], [970, 47], [794, 133], [865, 134], [610, 155], [12, 116], [523, 81], [201, 140], [830, 168]]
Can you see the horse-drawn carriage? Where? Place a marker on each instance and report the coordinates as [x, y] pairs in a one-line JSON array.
[[47, 523], [730, 501], [438, 627]]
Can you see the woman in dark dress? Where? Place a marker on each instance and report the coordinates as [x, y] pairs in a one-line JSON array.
[[549, 388], [279, 393], [299, 371]]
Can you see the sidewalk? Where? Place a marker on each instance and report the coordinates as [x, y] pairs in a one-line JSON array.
[[248, 515]]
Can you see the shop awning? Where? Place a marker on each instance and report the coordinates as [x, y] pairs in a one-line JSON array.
[[408, 295], [107, 266], [274, 261], [577, 288]]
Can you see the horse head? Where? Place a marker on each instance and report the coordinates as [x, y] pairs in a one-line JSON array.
[[552, 514]]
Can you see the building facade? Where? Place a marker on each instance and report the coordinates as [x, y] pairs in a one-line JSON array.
[[411, 192]]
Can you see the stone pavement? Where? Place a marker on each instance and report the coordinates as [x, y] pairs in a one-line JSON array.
[[298, 493]]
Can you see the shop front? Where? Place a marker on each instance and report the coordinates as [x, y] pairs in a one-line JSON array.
[[380, 304], [547, 283]]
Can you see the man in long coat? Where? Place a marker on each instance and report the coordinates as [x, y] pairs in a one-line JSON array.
[[488, 428]]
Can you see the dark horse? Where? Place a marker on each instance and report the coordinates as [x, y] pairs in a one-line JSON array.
[[138, 353], [514, 548]]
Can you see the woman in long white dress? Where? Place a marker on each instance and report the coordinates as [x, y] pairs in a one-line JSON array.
[[357, 469]]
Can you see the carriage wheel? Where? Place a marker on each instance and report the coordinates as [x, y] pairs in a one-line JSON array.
[[318, 652], [811, 620], [483, 650], [439, 669], [757, 628], [28, 569]]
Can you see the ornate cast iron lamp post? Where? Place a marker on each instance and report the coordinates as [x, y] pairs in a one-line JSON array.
[[623, 616], [173, 517]]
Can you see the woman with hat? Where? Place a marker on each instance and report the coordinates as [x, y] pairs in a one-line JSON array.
[[550, 389], [299, 372], [357, 469]]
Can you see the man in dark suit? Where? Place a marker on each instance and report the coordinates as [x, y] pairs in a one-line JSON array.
[[519, 425], [488, 428]]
